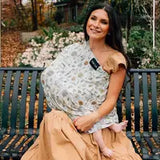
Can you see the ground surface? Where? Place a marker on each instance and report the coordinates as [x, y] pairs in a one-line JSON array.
[[11, 45]]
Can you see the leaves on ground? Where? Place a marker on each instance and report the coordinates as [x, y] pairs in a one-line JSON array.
[[11, 46]]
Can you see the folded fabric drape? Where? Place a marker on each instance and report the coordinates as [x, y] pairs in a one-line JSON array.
[[59, 140]]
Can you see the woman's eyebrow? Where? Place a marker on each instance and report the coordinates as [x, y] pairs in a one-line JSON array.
[[103, 19], [92, 15]]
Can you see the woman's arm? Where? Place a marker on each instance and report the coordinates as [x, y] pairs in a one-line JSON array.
[[86, 122], [115, 86]]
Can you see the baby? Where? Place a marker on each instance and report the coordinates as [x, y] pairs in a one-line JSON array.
[[116, 127]]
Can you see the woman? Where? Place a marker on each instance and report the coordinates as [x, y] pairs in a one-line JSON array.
[[85, 80]]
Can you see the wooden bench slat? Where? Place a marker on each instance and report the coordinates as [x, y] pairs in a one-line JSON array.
[[128, 103], [23, 102], [1, 101], [18, 147], [28, 143], [1, 83], [14, 109], [119, 108], [154, 102], [5, 142], [41, 104], [149, 143], [11, 145], [134, 145], [136, 101], [32, 101], [6, 100], [145, 102]]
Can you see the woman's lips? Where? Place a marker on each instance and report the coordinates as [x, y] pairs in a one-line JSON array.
[[94, 31]]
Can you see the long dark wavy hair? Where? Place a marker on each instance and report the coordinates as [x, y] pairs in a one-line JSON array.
[[114, 38]]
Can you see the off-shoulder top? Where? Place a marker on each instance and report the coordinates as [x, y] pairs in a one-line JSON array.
[[72, 85]]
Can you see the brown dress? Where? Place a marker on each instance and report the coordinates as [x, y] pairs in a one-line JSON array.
[[59, 140]]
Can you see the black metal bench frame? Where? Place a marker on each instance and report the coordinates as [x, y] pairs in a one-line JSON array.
[[23, 104]]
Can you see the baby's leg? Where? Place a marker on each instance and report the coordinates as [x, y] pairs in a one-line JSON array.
[[99, 139], [117, 127]]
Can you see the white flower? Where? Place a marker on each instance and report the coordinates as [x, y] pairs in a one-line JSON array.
[[144, 49], [40, 55], [145, 61]]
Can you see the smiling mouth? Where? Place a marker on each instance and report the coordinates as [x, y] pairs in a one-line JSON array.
[[94, 31]]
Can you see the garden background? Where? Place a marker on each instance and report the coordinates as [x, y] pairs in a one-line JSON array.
[[33, 32]]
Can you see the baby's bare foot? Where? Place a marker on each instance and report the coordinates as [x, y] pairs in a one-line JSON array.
[[119, 127], [107, 152]]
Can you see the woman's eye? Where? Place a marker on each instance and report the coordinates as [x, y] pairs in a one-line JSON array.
[[93, 18], [104, 22]]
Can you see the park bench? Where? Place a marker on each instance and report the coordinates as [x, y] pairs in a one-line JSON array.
[[23, 104]]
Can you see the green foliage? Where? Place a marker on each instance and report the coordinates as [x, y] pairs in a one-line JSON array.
[[5, 23], [48, 33], [140, 48], [77, 28], [154, 59], [139, 40], [24, 65], [39, 40], [12, 23], [9, 24]]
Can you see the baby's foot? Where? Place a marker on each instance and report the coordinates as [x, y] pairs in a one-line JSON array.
[[107, 152], [119, 126]]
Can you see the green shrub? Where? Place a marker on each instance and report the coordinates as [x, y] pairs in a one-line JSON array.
[[39, 40], [140, 49], [77, 28]]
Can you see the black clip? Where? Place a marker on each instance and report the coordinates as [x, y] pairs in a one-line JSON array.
[[94, 63]]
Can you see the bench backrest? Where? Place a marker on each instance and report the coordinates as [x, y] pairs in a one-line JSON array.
[[140, 100], [22, 101]]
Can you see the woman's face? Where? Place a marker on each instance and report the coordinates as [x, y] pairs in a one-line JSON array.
[[98, 24]]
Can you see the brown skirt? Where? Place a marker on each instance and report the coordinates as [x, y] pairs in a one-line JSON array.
[[59, 140]]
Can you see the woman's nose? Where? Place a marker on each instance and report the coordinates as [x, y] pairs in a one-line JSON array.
[[96, 24]]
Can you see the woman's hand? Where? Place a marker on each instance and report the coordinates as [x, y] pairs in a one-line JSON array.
[[86, 122]]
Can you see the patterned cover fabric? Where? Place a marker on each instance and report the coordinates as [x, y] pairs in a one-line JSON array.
[[72, 85]]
